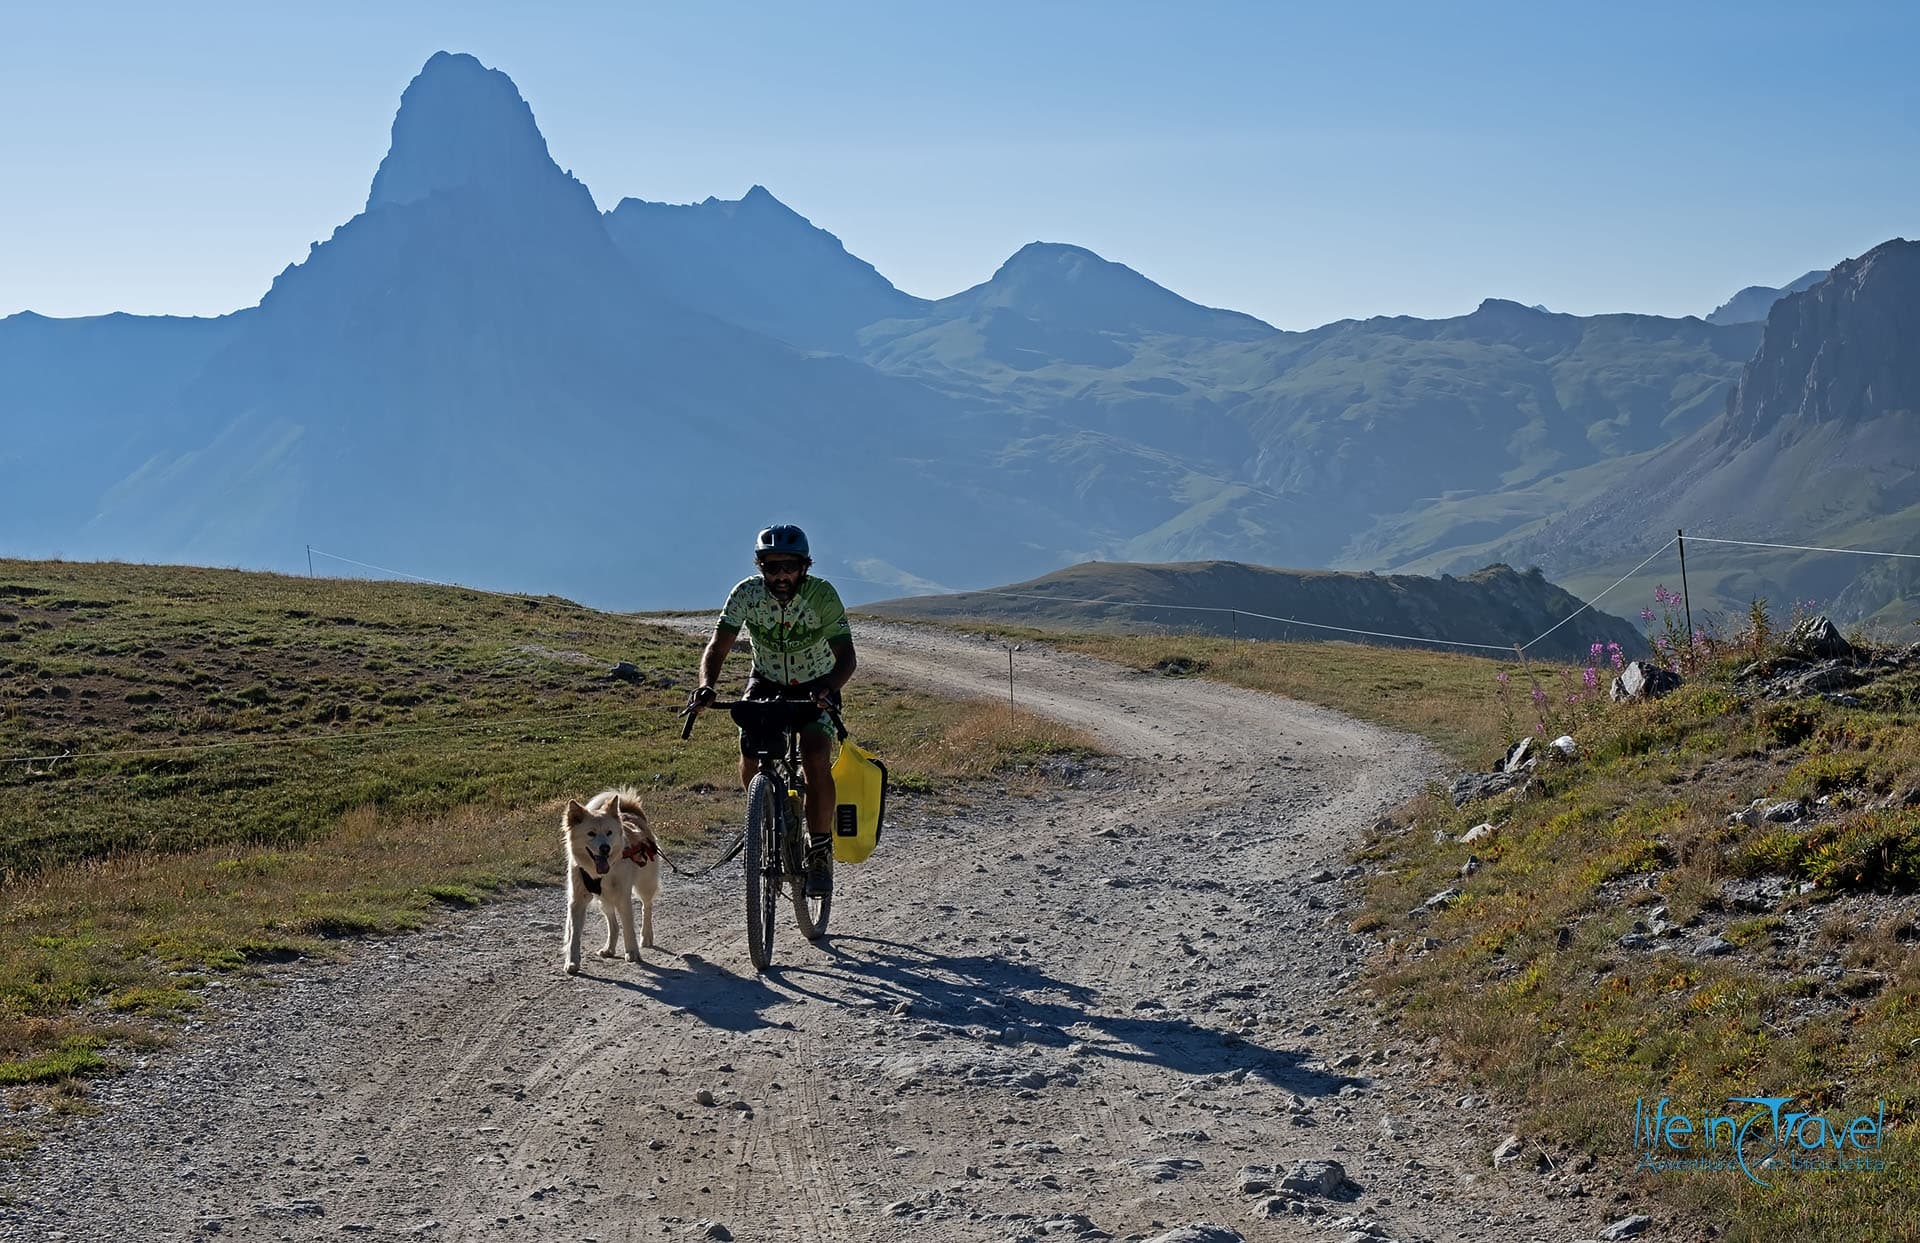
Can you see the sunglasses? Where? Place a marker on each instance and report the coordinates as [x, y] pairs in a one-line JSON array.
[[782, 566]]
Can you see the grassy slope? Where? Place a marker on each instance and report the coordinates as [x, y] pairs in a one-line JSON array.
[[1525, 980], [1229, 598], [264, 764]]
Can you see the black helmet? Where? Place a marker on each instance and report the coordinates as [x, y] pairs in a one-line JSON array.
[[781, 539]]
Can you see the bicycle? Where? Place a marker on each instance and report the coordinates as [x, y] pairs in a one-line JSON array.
[[775, 833]]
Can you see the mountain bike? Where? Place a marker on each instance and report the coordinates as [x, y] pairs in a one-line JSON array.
[[775, 834]]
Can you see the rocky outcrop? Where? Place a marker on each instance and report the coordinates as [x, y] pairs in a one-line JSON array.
[[1838, 352]]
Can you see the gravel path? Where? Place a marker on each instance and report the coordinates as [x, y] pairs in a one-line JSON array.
[[1111, 1011]]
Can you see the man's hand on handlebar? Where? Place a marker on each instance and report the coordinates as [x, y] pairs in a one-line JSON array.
[[700, 697]]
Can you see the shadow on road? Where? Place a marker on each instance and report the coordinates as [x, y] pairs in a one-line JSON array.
[[714, 994], [1004, 1001]]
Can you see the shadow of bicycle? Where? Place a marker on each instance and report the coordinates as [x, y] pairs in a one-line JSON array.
[[1007, 1002]]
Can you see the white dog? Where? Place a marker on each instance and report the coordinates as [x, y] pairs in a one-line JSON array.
[[611, 855]]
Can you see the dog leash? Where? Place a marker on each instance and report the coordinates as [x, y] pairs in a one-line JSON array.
[[722, 861]]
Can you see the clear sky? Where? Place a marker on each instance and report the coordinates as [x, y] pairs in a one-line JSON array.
[[1303, 163]]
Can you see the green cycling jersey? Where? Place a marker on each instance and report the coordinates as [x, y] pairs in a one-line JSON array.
[[792, 642]]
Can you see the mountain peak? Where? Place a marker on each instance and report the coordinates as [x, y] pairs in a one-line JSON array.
[[1073, 286], [1837, 352], [1750, 305], [459, 124]]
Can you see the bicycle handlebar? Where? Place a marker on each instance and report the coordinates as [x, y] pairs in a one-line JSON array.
[[693, 711]]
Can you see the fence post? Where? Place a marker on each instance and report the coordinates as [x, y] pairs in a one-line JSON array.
[[1539, 696], [1686, 601]]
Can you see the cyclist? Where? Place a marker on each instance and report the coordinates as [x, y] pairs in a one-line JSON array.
[[802, 649]]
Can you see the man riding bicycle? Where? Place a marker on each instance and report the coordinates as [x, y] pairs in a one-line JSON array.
[[802, 649]]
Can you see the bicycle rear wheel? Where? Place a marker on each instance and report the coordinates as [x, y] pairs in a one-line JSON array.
[[762, 866], [809, 912]]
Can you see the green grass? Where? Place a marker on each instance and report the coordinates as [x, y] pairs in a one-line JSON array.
[[260, 768]]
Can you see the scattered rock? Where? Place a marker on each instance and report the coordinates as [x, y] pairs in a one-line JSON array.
[[1202, 1232], [1565, 747], [1712, 947], [1470, 786], [1759, 894], [1320, 1178], [1444, 898], [1515, 757], [1785, 813], [1627, 1227], [1478, 833], [1638, 941], [714, 1230], [1162, 1169], [1510, 1150], [1471, 866], [1643, 680]]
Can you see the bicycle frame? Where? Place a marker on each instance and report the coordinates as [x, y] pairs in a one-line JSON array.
[[775, 832]]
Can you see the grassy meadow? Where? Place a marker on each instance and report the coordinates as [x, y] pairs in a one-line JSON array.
[[203, 772]]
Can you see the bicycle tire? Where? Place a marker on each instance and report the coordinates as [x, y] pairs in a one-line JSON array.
[[762, 854], [810, 913]]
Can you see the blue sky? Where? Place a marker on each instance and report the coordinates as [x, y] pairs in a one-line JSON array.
[[1301, 163]]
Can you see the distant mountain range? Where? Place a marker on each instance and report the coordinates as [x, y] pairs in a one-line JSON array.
[[482, 377], [1750, 305]]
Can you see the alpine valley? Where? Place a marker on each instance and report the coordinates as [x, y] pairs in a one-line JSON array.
[[482, 377]]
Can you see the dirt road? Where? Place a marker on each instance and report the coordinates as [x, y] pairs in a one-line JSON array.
[[1111, 1011]]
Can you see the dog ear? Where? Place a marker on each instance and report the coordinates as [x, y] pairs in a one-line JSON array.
[[613, 808], [575, 813]]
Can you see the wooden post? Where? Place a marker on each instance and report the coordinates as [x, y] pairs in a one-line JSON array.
[[1539, 696], [1686, 601]]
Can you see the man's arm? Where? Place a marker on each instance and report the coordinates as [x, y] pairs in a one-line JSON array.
[[843, 664], [716, 655]]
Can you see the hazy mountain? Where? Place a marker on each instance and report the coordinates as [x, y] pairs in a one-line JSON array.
[[1289, 448], [1818, 444], [482, 377], [80, 398], [757, 263], [1750, 305], [467, 380], [1494, 605]]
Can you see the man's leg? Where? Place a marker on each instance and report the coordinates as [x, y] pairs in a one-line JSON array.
[[816, 757], [749, 765]]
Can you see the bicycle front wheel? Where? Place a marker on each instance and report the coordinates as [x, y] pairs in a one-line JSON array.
[[762, 865]]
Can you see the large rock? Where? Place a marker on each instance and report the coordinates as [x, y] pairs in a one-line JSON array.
[[1205, 1232], [1320, 1178], [1642, 680], [1816, 637], [1470, 786]]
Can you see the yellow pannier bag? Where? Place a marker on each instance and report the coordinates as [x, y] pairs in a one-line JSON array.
[[860, 799]]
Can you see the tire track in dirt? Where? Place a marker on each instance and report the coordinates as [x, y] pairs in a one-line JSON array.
[[1102, 1001]]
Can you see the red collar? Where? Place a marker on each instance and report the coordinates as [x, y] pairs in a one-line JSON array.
[[640, 849]]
